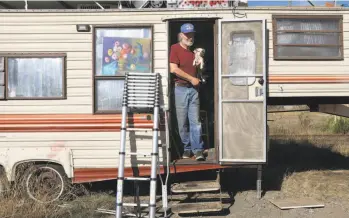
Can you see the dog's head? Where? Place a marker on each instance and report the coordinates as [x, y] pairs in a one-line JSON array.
[[200, 51]]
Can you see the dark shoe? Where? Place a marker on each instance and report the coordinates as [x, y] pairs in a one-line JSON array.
[[186, 154], [199, 156]]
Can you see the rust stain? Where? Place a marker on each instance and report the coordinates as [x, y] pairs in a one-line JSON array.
[[56, 148], [82, 175]]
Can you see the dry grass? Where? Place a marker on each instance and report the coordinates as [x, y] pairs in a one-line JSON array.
[[342, 149], [82, 207], [314, 167], [17, 205], [324, 185]]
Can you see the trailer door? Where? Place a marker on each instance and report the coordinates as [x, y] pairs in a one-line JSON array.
[[242, 91]]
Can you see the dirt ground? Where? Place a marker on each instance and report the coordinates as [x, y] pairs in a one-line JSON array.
[[247, 205]]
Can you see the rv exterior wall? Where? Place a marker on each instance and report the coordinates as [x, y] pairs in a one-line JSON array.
[[56, 33], [39, 32]]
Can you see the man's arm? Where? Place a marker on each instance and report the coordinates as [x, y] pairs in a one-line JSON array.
[[180, 73], [174, 62]]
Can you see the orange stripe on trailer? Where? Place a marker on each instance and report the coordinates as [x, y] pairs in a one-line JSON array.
[[309, 79], [82, 175], [71, 122]]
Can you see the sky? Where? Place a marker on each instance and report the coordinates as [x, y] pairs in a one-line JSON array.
[[294, 2]]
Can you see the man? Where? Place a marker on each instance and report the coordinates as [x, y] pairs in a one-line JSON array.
[[186, 93]]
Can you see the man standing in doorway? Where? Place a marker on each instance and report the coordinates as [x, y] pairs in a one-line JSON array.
[[186, 93]]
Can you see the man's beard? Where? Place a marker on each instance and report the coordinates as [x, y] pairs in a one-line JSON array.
[[187, 42]]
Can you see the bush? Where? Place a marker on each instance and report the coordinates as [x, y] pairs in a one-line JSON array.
[[339, 125]]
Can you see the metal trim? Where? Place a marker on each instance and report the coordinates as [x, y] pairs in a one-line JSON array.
[[275, 32], [220, 87], [30, 55], [127, 10], [237, 75], [241, 101], [220, 76], [250, 161], [191, 17], [95, 77]]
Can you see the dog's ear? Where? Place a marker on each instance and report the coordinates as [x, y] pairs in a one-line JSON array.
[[203, 51]]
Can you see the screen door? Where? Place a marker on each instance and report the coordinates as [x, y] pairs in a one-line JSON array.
[[242, 90]]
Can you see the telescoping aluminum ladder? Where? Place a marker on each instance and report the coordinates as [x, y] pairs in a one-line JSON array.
[[140, 91]]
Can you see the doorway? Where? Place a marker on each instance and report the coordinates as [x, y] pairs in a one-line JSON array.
[[204, 38]]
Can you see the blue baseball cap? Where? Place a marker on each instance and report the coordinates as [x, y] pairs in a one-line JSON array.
[[187, 28]]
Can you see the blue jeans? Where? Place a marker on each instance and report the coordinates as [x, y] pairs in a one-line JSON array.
[[188, 107]]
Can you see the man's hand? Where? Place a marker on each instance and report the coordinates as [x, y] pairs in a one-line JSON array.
[[195, 81]]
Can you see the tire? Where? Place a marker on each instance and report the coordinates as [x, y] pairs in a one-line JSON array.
[[35, 183], [4, 184]]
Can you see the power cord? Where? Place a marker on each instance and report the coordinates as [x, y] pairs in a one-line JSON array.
[[237, 14]]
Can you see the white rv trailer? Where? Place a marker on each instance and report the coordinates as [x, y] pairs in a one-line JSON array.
[[60, 93]]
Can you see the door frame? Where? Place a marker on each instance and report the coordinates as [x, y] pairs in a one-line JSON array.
[[219, 78], [215, 77]]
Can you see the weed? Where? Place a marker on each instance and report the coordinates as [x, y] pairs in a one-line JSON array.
[[339, 125]]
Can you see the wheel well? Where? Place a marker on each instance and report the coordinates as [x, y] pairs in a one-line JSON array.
[[20, 168], [2, 171]]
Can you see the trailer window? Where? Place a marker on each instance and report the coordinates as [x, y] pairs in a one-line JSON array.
[[308, 37], [32, 77], [117, 50], [242, 57]]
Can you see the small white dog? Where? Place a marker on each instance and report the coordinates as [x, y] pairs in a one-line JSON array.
[[199, 57]]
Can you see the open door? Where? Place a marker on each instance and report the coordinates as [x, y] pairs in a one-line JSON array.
[[242, 91]]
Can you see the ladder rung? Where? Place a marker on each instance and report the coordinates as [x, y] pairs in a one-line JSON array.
[[141, 91], [130, 78], [138, 154], [135, 205], [141, 88], [141, 74], [105, 211], [134, 81], [148, 81], [140, 129], [141, 98], [137, 178], [140, 102], [140, 106], [141, 95], [131, 83]]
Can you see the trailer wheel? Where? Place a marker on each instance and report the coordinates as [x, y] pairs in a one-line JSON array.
[[45, 183], [4, 184]]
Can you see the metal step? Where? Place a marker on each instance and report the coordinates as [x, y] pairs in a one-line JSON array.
[[196, 186], [201, 207]]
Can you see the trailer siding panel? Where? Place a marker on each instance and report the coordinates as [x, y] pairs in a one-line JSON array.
[[56, 33]]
